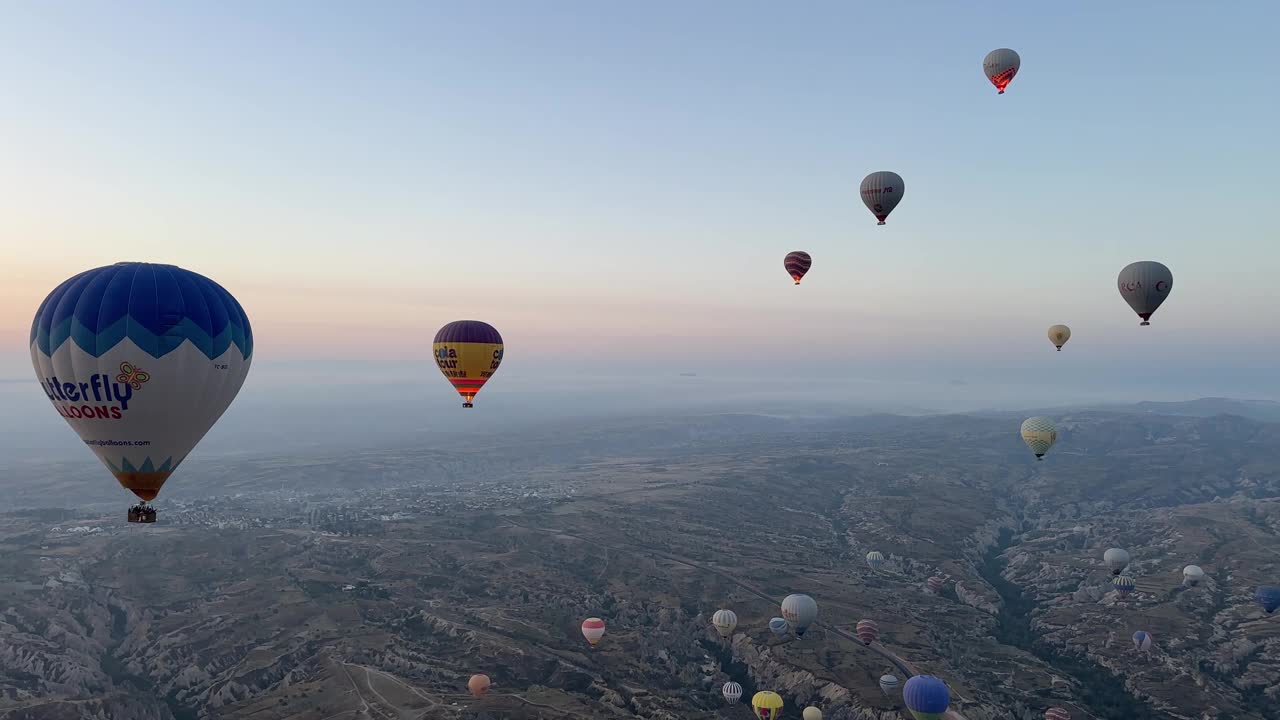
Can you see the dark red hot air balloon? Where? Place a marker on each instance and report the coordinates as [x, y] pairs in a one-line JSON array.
[[797, 263], [868, 632]]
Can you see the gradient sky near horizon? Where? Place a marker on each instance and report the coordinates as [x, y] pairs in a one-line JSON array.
[[614, 185]]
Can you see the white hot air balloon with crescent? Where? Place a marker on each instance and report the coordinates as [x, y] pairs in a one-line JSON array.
[[881, 192], [141, 360], [1145, 285], [1039, 433], [1000, 65]]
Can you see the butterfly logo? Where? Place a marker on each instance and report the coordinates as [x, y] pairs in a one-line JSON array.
[[132, 376]]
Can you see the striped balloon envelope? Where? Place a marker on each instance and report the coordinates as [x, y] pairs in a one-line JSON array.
[[732, 692], [875, 559], [724, 622], [778, 626], [867, 631], [468, 353], [927, 697], [141, 360], [935, 584], [1056, 713], [797, 263], [889, 685], [1123, 585], [881, 192], [593, 630]]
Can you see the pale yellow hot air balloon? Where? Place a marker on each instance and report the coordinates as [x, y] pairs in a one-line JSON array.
[[811, 713], [1039, 433], [1059, 335]]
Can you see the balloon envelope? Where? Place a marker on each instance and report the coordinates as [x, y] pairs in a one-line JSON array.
[[935, 584], [1144, 285], [141, 360], [1039, 433], [889, 685], [778, 626], [1116, 560], [926, 697], [593, 630], [1142, 640], [800, 611], [1268, 597], [478, 685], [1123, 585], [811, 713], [724, 621], [881, 192], [1192, 575], [1056, 713], [766, 704], [797, 263], [468, 353], [732, 692], [868, 631], [1000, 65], [1059, 335], [875, 560]]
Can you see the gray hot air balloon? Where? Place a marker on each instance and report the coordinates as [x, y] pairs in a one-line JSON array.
[[1192, 575], [889, 685], [881, 192], [800, 611], [1059, 335], [1116, 560], [1145, 285], [1000, 65]]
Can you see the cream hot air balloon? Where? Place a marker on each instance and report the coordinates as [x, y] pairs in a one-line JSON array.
[[800, 611], [1039, 433], [1000, 65], [724, 621], [732, 692], [1192, 575], [1144, 285], [889, 685], [141, 360], [1059, 335], [811, 713], [593, 630], [881, 192], [1116, 560]]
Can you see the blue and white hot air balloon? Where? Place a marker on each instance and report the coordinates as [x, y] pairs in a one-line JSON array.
[[1142, 640], [141, 360], [926, 696], [778, 626], [875, 560], [1268, 597]]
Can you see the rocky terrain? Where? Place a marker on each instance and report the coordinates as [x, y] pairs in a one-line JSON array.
[[242, 604]]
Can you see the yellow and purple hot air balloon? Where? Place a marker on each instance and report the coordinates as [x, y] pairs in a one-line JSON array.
[[468, 353]]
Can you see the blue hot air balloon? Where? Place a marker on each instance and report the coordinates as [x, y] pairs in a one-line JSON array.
[[1142, 640], [926, 696], [778, 626], [1269, 597]]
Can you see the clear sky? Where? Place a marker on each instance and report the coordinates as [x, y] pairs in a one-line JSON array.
[[614, 185]]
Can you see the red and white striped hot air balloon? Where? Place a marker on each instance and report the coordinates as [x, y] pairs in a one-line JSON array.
[[868, 632], [1056, 714], [935, 584], [593, 630]]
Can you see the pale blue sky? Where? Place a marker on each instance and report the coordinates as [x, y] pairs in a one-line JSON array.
[[614, 185]]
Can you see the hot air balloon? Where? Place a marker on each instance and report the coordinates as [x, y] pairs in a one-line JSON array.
[[797, 263], [889, 685], [811, 713], [1039, 433], [868, 631], [1056, 713], [875, 560], [766, 705], [935, 584], [1142, 640], [1116, 560], [800, 611], [1192, 575], [778, 626], [1123, 585], [926, 697], [881, 192], [141, 360], [593, 630], [1268, 597], [478, 685], [1000, 66], [1145, 285], [724, 621], [468, 353], [1059, 335], [732, 692]]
